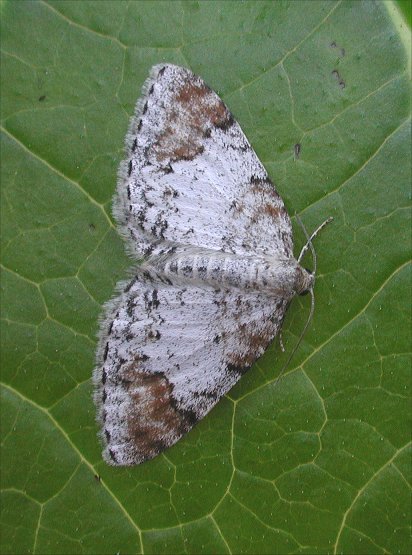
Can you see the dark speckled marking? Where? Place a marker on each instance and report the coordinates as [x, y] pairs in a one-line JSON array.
[[187, 270], [173, 267], [232, 368], [201, 271]]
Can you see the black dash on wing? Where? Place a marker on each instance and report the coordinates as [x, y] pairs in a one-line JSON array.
[[120, 363], [130, 167], [147, 251], [155, 300], [109, 331], [104, 377], [141, 216], [153, 334], [167, 169], [139, 128], [144, 108], [128, 192], [147, 275], [106, 350], [255, 180], [106, 433], [130, 284], [104, 396], [232, 368], [226, 123], [162, 71], [152, 302], [216, 339], [169, 192], [141, 357], [112, 456], [134, 145], [130, 307], [151, 89]]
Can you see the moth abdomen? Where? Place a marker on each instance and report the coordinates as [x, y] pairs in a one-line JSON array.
[[265, 274]]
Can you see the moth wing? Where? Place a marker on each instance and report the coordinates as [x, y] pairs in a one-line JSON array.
[[168, 354], [191, 176]]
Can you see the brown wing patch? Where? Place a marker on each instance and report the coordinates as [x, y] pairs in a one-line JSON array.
[[195, 110], [251, 346], [253, 338], [154, 423]]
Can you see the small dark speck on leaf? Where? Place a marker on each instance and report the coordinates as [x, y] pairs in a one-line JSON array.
[[339, 79], [297, 149], [342, 50], [42, 97], [92, 228], [97, 478]]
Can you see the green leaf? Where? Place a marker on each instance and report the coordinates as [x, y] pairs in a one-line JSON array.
[[316, 463]]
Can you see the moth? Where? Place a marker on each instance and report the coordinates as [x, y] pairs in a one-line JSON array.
[[194, 203]]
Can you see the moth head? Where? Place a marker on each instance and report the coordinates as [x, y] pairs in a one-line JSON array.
[[305, 280]]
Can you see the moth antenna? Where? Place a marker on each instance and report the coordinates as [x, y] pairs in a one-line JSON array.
[[307, 246], [310, 239], [298, 342]]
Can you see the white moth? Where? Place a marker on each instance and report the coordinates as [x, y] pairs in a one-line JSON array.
[[218, 273]]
